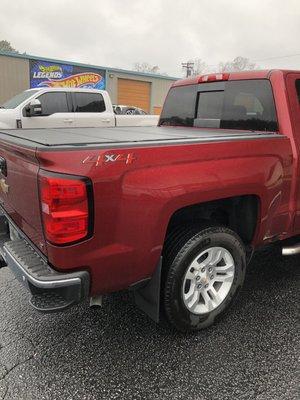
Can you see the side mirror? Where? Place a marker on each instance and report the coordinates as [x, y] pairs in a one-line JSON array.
[[34, 108]]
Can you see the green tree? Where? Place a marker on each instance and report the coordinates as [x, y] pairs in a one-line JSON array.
[[6, 46]]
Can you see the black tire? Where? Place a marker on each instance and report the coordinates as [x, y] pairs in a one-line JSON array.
[[181, 247]]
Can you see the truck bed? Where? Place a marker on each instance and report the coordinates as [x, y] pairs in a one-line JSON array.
[[123, 137]]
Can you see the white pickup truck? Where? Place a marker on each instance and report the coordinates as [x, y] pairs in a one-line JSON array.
[[66, 107]]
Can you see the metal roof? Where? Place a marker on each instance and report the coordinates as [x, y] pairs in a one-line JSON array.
[[109, 69]]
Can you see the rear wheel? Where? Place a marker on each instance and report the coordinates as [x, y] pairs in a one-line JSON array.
[[203, 272]]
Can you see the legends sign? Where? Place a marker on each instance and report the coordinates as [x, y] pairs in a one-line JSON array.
[[49, 74]]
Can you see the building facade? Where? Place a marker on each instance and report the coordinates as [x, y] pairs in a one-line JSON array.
[[19, 72]]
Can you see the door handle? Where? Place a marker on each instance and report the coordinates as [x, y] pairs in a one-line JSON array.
[[105, 120], [68, 120]]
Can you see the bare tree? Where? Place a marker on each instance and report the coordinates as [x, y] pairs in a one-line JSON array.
[[237, 64], [6, 46], [200, 66], [145, 67]]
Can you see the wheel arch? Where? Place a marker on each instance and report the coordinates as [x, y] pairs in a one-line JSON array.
[[239, 213]]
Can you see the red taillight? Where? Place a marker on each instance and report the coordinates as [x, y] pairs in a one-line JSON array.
[[213, 77], [65, 208]]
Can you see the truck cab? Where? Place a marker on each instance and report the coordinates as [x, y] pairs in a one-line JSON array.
[[65, 108]]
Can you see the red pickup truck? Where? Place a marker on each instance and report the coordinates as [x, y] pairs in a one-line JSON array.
[[172, 212]]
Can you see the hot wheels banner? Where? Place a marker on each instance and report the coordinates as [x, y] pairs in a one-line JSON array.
[[49, 74]]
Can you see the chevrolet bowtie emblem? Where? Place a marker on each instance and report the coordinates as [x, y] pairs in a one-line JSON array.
[[3, 186]]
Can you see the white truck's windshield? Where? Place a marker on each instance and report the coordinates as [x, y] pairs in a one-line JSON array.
[[241, 104], [18, 99]]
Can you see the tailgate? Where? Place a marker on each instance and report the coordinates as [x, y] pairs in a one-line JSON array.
[[19, 196]]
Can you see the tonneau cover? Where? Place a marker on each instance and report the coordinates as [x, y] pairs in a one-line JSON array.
[[121, 136]]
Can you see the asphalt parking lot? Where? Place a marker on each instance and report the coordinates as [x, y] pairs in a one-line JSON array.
[[118, 353]]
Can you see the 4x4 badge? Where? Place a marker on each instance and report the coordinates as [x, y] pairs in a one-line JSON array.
[[109, 158]]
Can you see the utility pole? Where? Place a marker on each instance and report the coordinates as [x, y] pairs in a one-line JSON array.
[[189, 66]]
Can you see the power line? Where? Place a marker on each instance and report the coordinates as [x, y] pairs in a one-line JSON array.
[[274, 58], [189, 66], [264, 59]]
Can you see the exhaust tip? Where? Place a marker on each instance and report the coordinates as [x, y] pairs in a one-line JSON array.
[[291, 250], [96, 302]]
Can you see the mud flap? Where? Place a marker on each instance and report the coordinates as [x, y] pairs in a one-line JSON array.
[[147, 297]]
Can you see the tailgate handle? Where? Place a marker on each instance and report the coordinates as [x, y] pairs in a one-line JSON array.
[[3, 167]]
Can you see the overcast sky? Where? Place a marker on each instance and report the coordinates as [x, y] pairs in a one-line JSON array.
[[118, 33]]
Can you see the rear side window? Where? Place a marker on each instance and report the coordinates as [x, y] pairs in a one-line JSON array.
[[179, 108], [245, 105], [249, 105], [55, 102], [298, 88], [89, 102]]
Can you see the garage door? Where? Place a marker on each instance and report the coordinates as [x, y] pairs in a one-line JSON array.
[[134, 93]]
